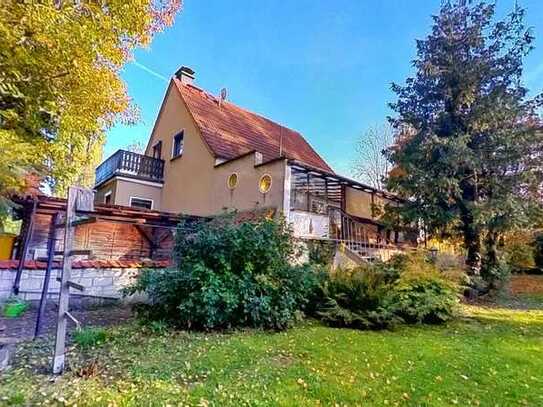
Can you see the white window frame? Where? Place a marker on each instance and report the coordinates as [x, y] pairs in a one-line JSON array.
[[108, 193], [173, 144], [141, 199]]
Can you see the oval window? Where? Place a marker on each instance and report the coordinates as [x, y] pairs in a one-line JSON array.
[[265, 183], [232, 181]]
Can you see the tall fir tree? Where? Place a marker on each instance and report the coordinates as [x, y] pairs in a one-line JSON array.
[[468, 152]]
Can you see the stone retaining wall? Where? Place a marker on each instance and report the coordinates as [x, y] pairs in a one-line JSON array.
[[100, 283]]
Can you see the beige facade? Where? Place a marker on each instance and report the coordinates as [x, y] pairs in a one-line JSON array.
[[365, 204], [188, 176], [123, 190], [247, 195], [194, 182], [108, 188]]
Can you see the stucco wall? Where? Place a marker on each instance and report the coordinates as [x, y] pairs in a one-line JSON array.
[[187, 178], [102, 190], [138, 189], [247, 196], [359, 203]]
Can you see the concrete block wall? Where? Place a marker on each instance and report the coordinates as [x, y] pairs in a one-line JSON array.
[[102, 283]]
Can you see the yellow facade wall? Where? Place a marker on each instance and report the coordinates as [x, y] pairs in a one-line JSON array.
[[247, 196], [359, 203], [127, 189]]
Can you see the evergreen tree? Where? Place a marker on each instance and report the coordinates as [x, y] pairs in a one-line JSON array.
[[469, 146]]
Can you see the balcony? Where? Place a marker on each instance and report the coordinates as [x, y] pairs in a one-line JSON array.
[[132, 165]]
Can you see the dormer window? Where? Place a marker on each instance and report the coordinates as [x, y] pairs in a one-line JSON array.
[[177, 149]]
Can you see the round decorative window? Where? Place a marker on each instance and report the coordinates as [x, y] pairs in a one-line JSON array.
[[232, 181], [265, 183]]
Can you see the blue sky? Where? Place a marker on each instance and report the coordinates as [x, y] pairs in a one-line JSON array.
[[323, 68]]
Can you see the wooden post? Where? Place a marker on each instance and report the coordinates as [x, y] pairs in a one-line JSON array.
[[64, 296], [78, 199], [45, 289], [26, 243], [307, 191]]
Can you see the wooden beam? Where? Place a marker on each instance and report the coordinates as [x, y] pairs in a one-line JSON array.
[[73, 284], [64, 297]]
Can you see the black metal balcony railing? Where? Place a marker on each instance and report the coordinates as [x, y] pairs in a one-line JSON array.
[[131, 164]]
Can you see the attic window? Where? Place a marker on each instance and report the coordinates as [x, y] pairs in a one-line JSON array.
[[265, 183], [177, 149]]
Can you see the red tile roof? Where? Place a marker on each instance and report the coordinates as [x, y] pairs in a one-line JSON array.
[[231, 131], [83, 264]]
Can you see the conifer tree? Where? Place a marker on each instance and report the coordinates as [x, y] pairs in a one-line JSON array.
[[468, 152]]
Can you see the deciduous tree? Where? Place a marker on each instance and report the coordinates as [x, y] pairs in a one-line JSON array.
[[60, 87], [372, 166]]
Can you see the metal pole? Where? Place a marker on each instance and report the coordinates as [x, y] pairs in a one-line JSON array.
[[26, 242], [50, 256]]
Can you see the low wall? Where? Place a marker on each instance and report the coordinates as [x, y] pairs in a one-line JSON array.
[[101, 283]]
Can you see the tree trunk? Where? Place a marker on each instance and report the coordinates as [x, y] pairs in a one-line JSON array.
[[472, 241], [491, 264], [491, 249], [471, 232]]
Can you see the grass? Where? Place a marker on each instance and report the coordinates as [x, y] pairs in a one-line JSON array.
[[490, 356], [89, 337]]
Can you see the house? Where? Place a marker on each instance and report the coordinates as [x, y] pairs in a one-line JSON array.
[[206, 155]]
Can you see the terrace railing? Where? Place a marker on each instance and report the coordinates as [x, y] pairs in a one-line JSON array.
[[355, 236], [131, 164]]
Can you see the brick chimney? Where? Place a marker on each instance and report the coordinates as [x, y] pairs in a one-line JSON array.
[[185, 75]]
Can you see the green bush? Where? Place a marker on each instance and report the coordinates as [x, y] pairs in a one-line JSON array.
[[356, 298], [89, 337], [409, 288], [520, 257], [321, 252], [230, 275]]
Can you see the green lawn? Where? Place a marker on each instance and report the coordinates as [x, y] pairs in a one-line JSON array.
[[490, 356]]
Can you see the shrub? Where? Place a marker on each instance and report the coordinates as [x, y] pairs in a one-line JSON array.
[[89, 337], [356, 298], [408, 288], [520, 257], [321, 252], [424, 293], [230, 275], [518, 250]]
